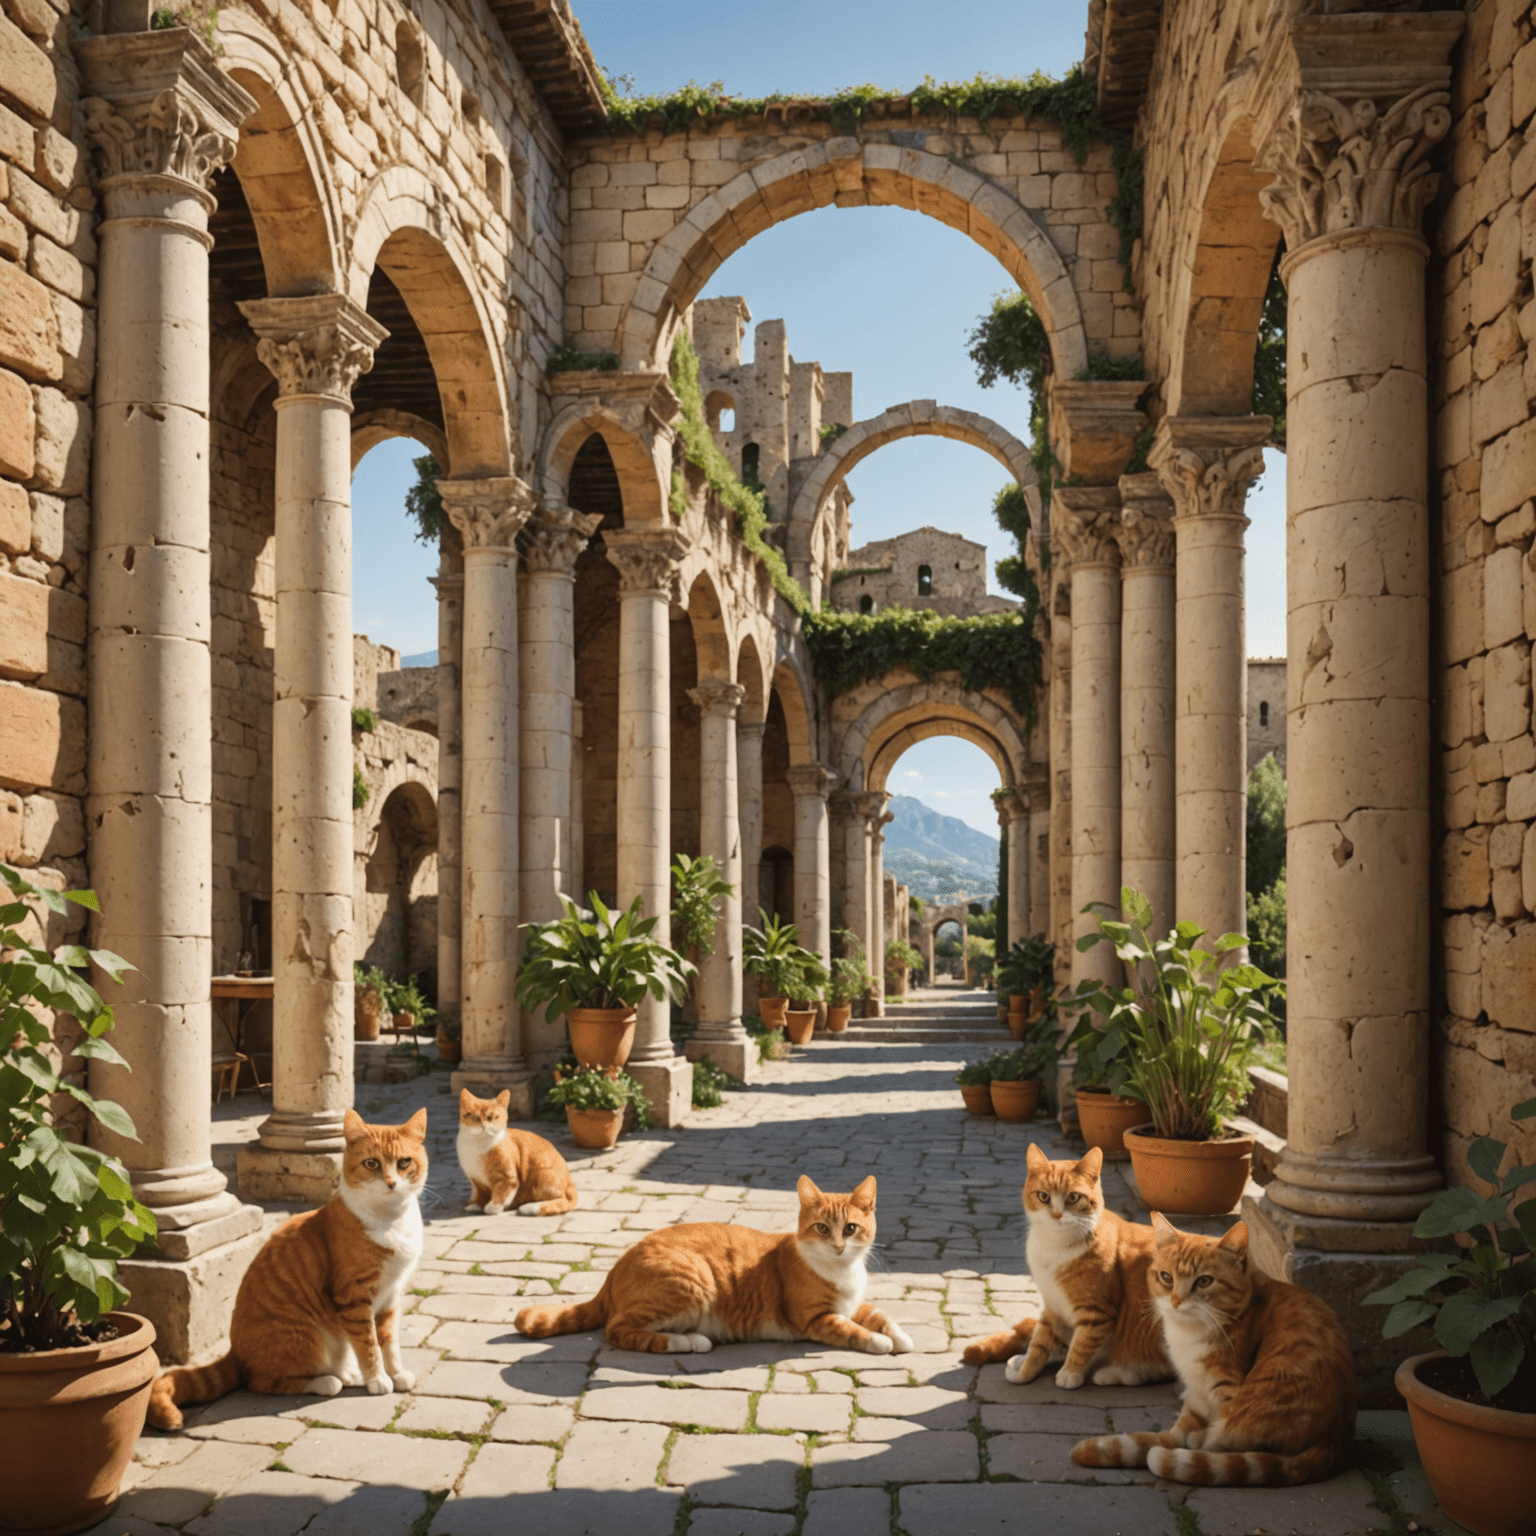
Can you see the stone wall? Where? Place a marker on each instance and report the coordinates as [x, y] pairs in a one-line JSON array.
[[888, 571], [1266, 710]]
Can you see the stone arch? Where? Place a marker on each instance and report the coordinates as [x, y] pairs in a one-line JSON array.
[[917, 418], [370, 428], [848, 172], [404, 228], [753, 676], [562, 440], [282, 165], [794, 699], [711, 636], [1225, 276], [402, 836]]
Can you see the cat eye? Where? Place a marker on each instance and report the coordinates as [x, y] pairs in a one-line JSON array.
[[370, 1162], [1165, 1277], [1203, 1281], [1073, 1198], [1043, 1196], [850, 1229], [823, 1228], [404, 1164]]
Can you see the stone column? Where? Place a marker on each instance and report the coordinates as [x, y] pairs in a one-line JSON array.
[[930, 934], [877, 898], [1059, 930], [1084, 522], [551, 543], [578, 872], [869, 808], [649, 565], [450, 770], [1021, 859], [749, 790], [1035, 800], [490, 513], [1367, 97], [810, 784], [719, 1035], [316, 346], [1207, 465], [1146, 695], [162, 119]]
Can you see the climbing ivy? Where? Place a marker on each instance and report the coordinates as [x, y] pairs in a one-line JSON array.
[[566, 359]]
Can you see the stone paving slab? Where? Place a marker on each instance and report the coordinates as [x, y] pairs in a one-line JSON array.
[[848, 1512], [938, 1455], [1013, 1508], [758, 1471], [1342, 1506], [399, 1461], [740, 1522], [1046, 1458], [649, 1512], [269, 1504]]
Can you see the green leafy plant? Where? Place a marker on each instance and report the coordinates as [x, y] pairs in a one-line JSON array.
[[770, 1042], [1189, 1027], [900, 952], [697, 891], [566, 359], [607, 1088], [67, 1212], [773, 954], [1482, 1297], [850, 976], [610, 959], [364, 720], [423, 502], [810, 979], [1269, 356], [710, 1083], [450, 1026], [975, 1073], [370, 976], [830, 430], [1031, 963], [361, 793]]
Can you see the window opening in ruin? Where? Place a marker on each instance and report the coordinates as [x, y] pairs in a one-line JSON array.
[[751, 454], [1264, 712], [866, 604], [720, 412], [410, 62], [925, 581], [728, 420]]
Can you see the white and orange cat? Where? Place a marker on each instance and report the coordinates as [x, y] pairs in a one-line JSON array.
[[1091, 1267], [316, 1309], [1269, 1378], [506, 1167], [687, 1288]]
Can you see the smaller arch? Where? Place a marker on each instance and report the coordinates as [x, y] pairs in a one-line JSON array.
[[639, 478], [370, 428], [752, 676], [716, 404], [751, 459], [793, 694], [866, 604], [711, 639]]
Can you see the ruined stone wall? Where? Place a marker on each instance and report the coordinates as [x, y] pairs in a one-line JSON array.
[[1266, 710], [888, 571], [1483, 375]]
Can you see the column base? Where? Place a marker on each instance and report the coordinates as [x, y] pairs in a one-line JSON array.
[[735, 1053], [1342, 1261], [486, 1083], [184, 1232], [277, 1175], [669, 1086], [190, 1302]]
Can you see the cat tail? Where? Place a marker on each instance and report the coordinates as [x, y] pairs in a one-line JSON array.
[[540, 1322], [1117, 1450], [1233, 1469], [1001, 1346], [191, 1384], [556, 1207]]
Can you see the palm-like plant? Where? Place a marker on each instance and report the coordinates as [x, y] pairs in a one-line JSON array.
[[608, 960], [773, 954]]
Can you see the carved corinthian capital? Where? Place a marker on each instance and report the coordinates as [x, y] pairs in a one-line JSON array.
[[157, 104], [720, 699], [1349, 108], [1146, 522], [649, 562], [316, 344], [489, 513], [1085, 522], [1207, 463], [553, 541]]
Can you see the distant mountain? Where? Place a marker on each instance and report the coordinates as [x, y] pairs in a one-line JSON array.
[[938, 856], [420, 659]]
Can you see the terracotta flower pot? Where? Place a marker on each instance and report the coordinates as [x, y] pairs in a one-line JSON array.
[[1018, 1003], [594, 1127], [1015, 1101], [601, 1037], [838, 1015], [771, 1011], [978, 1098], [1016, 1024], [404, 1022], [449, 1050], [1481, 1461], [367, 1014], [1189, 1178], [800, 1025], [69, 1419], [1105, 1118]]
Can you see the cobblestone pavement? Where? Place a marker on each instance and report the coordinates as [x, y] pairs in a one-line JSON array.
[[567, 1436]]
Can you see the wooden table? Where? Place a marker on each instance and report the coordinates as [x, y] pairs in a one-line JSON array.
[[240, 990]]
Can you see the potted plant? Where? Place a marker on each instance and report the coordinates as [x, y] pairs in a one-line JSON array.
[[1027, 974], [75, 1370], [408, 1007], [849, 979], [1105, 1112], [901, 957], [975, 1080], [370, 1000], [697, 891], [804, 987], [595, 1100], [1019, 1076], [1193, 1025], [772, 954], [1472, 1403], [771, 1043], [449, 1034], [594, 970]]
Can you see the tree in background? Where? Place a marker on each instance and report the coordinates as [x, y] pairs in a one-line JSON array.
[[1266, 865]]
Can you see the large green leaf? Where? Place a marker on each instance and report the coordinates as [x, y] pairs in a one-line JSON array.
[[1457, 1210], [1496, 1356], [1484, 1156], [1405, 1316], [1470, 1313], [1414, 1283]]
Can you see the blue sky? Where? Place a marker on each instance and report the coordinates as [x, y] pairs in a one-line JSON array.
[[883, 292]]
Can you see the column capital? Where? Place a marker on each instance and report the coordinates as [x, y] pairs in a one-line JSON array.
[[1146, 523], [642, 400], [315, 344], [1348, 108], [158, 105], [1034, 789], [1096, 421], [719, 699], [554, 538], [871, 804], [1207, 463], [810, 779], [490, 512], [649, 561], [1084, 523], [449, 589], [1005, 803]]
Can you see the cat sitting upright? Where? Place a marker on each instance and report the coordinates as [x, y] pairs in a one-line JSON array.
[[1269, 1377], [1091, 1267], [316, 1309], [687, 1288], [506, 1167]]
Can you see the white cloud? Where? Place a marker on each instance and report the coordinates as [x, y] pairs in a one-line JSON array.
[[912, 773]]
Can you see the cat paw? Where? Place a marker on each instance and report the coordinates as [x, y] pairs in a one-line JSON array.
[[901, 1339], [688, 1344], [379, 1386], [1014, 1370], [1195, 1439], [879, 1344], [536, 1209], [352, 1377], [324, 1386], [404, 1381], [1114, 1376], [1069, 1379], [494, 1208], [474, 1207]]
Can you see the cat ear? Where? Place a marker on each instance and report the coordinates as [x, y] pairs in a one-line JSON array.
[[466, 1098], [1235, 1241], [353, 1126], [1035, 1159], [1091, 1162], [864, 1195], [807, 1190], [504, 1098], [1165, 1229], [416, 1126]]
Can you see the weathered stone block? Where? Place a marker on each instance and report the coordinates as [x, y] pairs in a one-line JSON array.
[[1509, 978], [1507, 691], [26, 72], [15, 515], [1463, 629], [63, 442], [42, 740], [18, 426], [1509, 471], [1467, 880], [23, 627]]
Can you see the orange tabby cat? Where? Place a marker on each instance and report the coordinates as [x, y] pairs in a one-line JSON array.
[[316, 1310], [1269, 1380], [509, 1168], [687, 1288], [1091, 1267]]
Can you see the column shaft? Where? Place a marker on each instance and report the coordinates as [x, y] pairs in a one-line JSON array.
[[450, 779], [1020, 881], [810, 784]]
